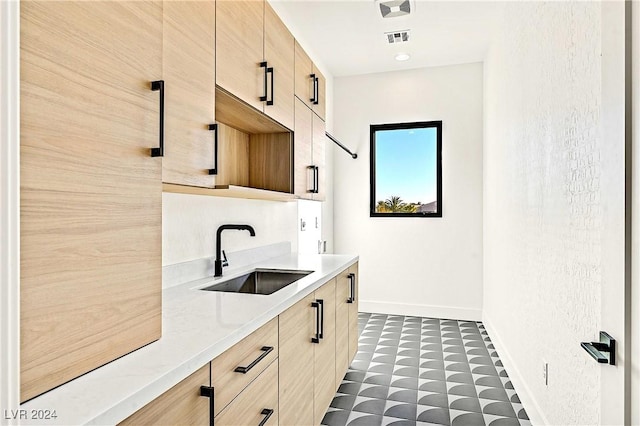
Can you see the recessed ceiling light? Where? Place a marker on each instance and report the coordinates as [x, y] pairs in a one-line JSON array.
[[402, 57]]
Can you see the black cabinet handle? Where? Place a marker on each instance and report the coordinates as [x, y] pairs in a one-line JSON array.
[[313, 189], [270, 71], [321, 303], [158, 85], [316, 184], [316, 90], [244, 370], [352, 285], [603, 351], [313, 81], [316, 339], [214, 128], [268, 412], [266, 71], [208, 391]]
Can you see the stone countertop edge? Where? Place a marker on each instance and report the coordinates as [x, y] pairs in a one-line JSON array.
[[197, 326]]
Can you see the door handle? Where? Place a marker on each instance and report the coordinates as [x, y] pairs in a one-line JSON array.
[[352, 285], [266, 71], [244, 370], [208, 391], [267, 412], [156, 86], [316, 339], [313, 81], [270, 71], [214, 128], [603, 351]]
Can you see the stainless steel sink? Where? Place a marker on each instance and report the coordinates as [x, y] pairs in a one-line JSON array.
[[260, 281]]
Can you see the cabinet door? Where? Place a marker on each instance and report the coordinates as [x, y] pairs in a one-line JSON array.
[[180, 405], [319, 141], [239, 49], [342, 326], [91, 193], [325, 352], [303, 80], [302, 152], [189, 64], [257, 402], [319, 105], [279, 54], [353, 315], [297, 327]]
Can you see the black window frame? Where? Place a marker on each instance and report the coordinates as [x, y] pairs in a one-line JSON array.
[[372, 169]]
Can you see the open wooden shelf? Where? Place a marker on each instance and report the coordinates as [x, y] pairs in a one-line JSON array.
[[231, 191]]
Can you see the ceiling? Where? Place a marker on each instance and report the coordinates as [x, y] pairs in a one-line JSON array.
[[347, 36]]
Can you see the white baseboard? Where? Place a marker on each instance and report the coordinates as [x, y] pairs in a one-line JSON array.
[[536, 416], [428, 311]]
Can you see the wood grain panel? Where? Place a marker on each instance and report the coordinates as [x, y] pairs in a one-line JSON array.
[[239, 49], [320, 107], [302, 151], [325, 353], [270, 161], [302, 79], [235, 113], [279, 54], [90, 191], [247, 408], [233, 156], [180, 405], [189, 65], [319, 160], [296, 360], [353, 317], [342, 326], [227, 383]]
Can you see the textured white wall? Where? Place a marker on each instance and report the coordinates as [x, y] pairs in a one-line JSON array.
[[542, 201], [417, 266], [189, 224]]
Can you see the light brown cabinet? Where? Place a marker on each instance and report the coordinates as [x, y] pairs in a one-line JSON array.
[[352, 301], [309, 154], [91, 264], [324, 384], [188, 70], [310, 84], [180, 405], [255, 57]]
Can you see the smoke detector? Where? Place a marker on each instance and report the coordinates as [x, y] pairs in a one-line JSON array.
[[395, 8], [395, 37]]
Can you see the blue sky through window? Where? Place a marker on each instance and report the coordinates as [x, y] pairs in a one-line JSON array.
[[406, 164]]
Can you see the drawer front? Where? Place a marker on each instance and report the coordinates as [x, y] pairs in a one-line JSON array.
[[257, 402], [247, 353]]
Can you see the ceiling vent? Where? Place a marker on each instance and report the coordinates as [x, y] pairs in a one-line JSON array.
[[394, 8], [396, 37]]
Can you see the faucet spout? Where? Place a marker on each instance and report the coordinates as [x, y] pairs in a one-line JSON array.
[[218, 262]]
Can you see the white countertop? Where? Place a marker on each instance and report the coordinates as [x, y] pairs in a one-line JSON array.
[[197, 326]]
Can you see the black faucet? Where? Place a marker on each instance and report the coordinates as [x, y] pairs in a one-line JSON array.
[[218, 263]]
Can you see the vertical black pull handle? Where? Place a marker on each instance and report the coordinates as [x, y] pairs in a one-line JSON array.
[[313, 81], [267, 412], [214, 128], [158, 85], [316, 91], [313, 179], [266, 71], [270, 71], [352, 285], [316, 184], [321, 303], [208, 391], [316, 339]]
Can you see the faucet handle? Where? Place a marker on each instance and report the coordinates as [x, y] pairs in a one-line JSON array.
[[225, 262]]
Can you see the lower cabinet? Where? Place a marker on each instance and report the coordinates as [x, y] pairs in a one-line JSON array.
[[180, 405], [286, 372]]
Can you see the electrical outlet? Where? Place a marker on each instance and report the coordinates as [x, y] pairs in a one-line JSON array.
[[545, 372], [303, 225]]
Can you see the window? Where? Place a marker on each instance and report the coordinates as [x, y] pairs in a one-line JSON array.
[[406, 169]]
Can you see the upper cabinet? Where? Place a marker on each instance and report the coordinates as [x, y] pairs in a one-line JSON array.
[[90, 191], [188, 70], [255, 57], [310, 84], [309, 154]]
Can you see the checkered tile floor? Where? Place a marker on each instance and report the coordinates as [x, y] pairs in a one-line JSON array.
[[423, 371]]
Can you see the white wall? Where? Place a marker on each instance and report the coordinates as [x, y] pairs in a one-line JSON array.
[[416, 266], [543, 204], [189, 224]]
